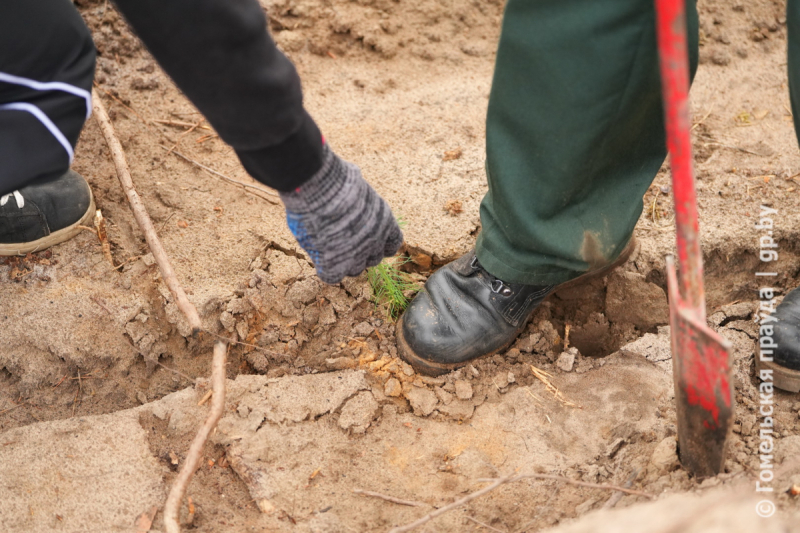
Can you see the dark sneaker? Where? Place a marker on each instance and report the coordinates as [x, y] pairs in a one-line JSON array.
[[784, 360], [464, 313], [44, 213]]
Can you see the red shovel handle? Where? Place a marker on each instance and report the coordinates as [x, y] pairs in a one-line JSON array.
[[674, 59]]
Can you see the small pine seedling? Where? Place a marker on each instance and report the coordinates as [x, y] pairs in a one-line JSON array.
[[389, 286]]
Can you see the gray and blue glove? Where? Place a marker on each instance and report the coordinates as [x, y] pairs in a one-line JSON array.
[[340, 221]]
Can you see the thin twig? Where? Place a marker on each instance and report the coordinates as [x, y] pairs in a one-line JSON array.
[[617, 496], [240, 343], [710, 109], [165, 367], [99, 302], [219, 175], [388, 498], [458, 503], [487, 526], [204, 138], [132, 110], [10, 409], [173, 504], [205, 398], [182, 135], [142, 218], [604, 486], [179, 124], [737, 148], [510, 479]]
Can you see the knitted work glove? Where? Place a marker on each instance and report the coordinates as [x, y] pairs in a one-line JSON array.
[[340, 221]]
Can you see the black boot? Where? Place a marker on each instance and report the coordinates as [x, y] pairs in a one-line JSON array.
[[783, 361], [44, 213], [464, 312]]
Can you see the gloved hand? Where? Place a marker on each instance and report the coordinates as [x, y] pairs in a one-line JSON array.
[[340, 221]]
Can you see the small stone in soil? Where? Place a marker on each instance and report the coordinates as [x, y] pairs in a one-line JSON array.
[[566, 360]]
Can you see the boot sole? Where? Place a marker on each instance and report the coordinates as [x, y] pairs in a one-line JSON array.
[[56, 237], [783, 378], [431, 368]]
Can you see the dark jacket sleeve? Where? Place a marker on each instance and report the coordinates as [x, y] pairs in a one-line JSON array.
[[221, 56]]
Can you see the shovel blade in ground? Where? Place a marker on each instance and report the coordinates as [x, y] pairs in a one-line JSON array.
[[703, 385]]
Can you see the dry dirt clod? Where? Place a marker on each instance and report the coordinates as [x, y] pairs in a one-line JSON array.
[[393, 388], [463, 389], [665, 456], [427, 380], [423, 401], [454, 207], [358, 413], [444, 396], [341, 363]]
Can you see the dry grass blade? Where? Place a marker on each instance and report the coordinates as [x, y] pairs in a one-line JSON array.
[[173, 504], [102, 235], [140, 213], [544, 377]]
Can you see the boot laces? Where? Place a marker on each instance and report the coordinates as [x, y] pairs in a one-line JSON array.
[[498, 286], [17, 196]]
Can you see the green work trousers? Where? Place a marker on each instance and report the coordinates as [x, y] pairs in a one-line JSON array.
[[574, 135]]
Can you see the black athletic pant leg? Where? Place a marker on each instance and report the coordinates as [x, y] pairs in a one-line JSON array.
[[46, 70], [221, 56]]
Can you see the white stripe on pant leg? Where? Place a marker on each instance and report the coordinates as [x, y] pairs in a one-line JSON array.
[[44, 119], [51, 86]]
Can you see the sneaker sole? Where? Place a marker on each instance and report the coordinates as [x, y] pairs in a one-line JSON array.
[[783, 378], [56, 237], [431, 368]]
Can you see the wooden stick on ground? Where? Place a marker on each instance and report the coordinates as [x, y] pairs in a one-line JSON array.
[[173, 505], [140, 213]]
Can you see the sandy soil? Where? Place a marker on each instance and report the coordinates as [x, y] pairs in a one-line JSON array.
[[401, 89]]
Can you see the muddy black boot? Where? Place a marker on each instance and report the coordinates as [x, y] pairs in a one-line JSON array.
[[464, 312], [44, 213], [784, 358]]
